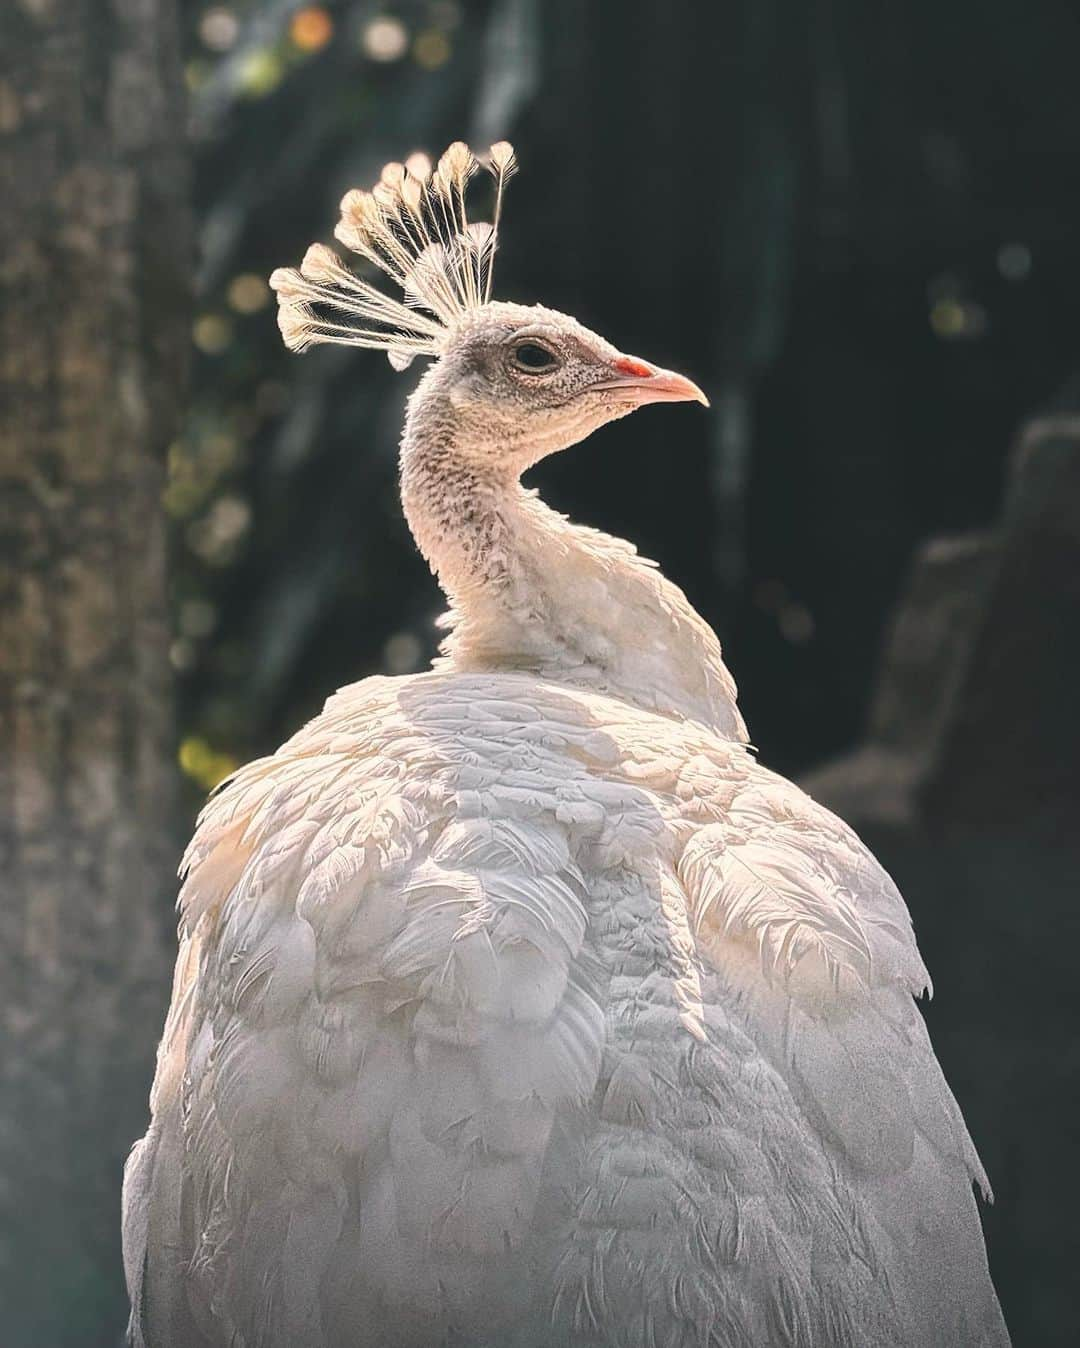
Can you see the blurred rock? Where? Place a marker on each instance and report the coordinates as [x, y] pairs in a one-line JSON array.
[[1010, 750], [923, 675], [975, 722]]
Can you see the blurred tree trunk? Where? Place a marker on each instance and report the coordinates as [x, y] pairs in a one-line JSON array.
[[93, 263]]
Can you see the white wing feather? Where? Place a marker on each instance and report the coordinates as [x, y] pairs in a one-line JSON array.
[[512, 1012]]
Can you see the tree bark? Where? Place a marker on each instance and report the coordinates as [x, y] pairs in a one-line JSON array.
[[93, 335]]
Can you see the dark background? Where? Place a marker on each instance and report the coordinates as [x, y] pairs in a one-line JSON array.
[[856, 226]]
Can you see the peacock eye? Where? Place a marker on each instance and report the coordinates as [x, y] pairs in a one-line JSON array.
[[534, 358]]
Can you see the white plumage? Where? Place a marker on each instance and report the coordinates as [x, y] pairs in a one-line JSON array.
[[517, 1004]]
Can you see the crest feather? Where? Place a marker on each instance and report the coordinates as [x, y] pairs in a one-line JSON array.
[[413, 227]]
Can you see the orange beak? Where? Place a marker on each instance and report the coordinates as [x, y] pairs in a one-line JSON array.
[[641, 382]]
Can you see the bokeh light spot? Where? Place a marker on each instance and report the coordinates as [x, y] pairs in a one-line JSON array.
[[431, 49], [402, 653], [1014, 261], [216, 537], [311, 28], [182, 655], [385, 39], [248, 293], [205, 765], [219, 28], [212, 333], [947, 318], [796, 623], [955, 319], [261, 73]]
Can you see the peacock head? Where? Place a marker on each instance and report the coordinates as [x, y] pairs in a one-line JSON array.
[[510, 383]]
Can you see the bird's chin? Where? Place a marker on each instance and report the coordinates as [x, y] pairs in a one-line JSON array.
[[622, 408], [610, 404]]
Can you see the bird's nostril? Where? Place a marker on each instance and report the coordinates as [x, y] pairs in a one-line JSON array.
[[636, 369]]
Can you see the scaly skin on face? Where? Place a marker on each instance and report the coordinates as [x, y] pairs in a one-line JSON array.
[[508, 416]]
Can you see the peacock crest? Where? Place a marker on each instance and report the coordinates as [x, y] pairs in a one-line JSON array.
[[412, 226]]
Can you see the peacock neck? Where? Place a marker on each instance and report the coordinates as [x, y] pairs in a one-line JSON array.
[[529, 591]]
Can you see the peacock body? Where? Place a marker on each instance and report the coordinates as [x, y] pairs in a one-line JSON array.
[[516, 1002]]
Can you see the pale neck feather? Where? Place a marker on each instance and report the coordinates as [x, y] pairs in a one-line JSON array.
[[528, 590]]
